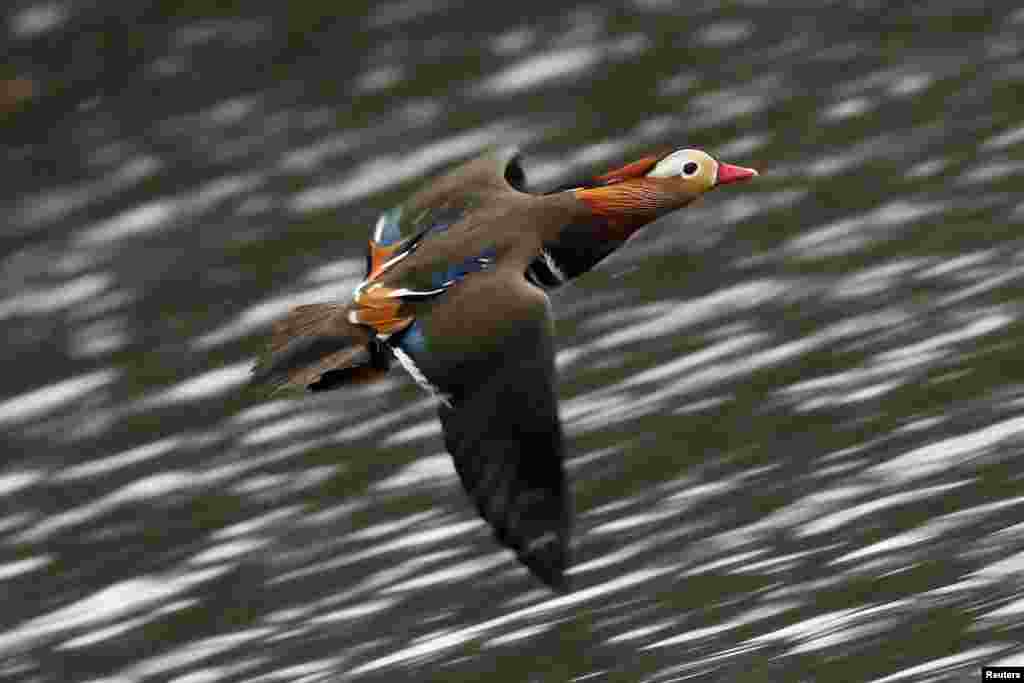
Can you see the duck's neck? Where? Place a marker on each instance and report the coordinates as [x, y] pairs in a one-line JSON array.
[[620, 210]]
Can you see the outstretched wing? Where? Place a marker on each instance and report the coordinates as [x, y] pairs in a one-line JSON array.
[[445, 201], [441, 203], [503, 432]]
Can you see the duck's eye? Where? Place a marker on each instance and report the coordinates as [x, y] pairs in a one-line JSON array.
[[689, 168]]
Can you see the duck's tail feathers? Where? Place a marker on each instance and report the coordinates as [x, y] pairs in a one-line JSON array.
[[316, 347]]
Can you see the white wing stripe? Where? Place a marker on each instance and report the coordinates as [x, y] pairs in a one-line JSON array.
[[553, 267], [418, 375]]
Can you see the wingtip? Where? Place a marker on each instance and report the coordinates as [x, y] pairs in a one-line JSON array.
[[555, 579], [547, 559]]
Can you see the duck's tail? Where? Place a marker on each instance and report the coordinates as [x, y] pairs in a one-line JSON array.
[[316, 347]]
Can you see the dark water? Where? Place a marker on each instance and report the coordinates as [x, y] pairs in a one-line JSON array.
[[795, 411]]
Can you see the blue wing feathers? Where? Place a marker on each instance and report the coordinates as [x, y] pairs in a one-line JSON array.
[[458, 271], [388, 230]]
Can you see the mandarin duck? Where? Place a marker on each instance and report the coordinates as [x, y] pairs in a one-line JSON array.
[[455, 290]]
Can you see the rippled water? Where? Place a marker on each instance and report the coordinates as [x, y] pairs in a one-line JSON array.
[[794, 410]]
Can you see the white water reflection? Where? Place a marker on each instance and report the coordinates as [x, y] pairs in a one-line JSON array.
[[427, 470], [450, 573], [850, 108], [49, 300], [725, 33], [16, 481], [113, 602], [135, 221], [10, 570], [830, 522], [111, 463], [203, 386], [193, 652], [849, 234], [150, 487], [51, 398], [287, 428], [830, 630], [37, 19], [453, 639], [540, 69], [1008, 138], [385, 172], [944, 525], [57, 204], [666, 318], [946, 454]]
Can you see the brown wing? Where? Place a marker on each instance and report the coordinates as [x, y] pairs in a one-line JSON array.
[[503, 432]]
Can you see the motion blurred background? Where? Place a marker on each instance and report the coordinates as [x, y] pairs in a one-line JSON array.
[[794, 410]]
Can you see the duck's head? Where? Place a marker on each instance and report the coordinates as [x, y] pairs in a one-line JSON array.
[[637, 193]]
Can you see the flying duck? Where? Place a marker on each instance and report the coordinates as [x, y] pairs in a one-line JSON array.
[[455, 290]]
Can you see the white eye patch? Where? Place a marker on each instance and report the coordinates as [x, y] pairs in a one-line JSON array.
[[682, 163]]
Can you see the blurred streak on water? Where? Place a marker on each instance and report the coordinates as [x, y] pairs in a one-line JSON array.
[[794, 410]]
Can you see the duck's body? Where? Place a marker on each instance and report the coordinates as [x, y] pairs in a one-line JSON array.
[[454, 290]]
